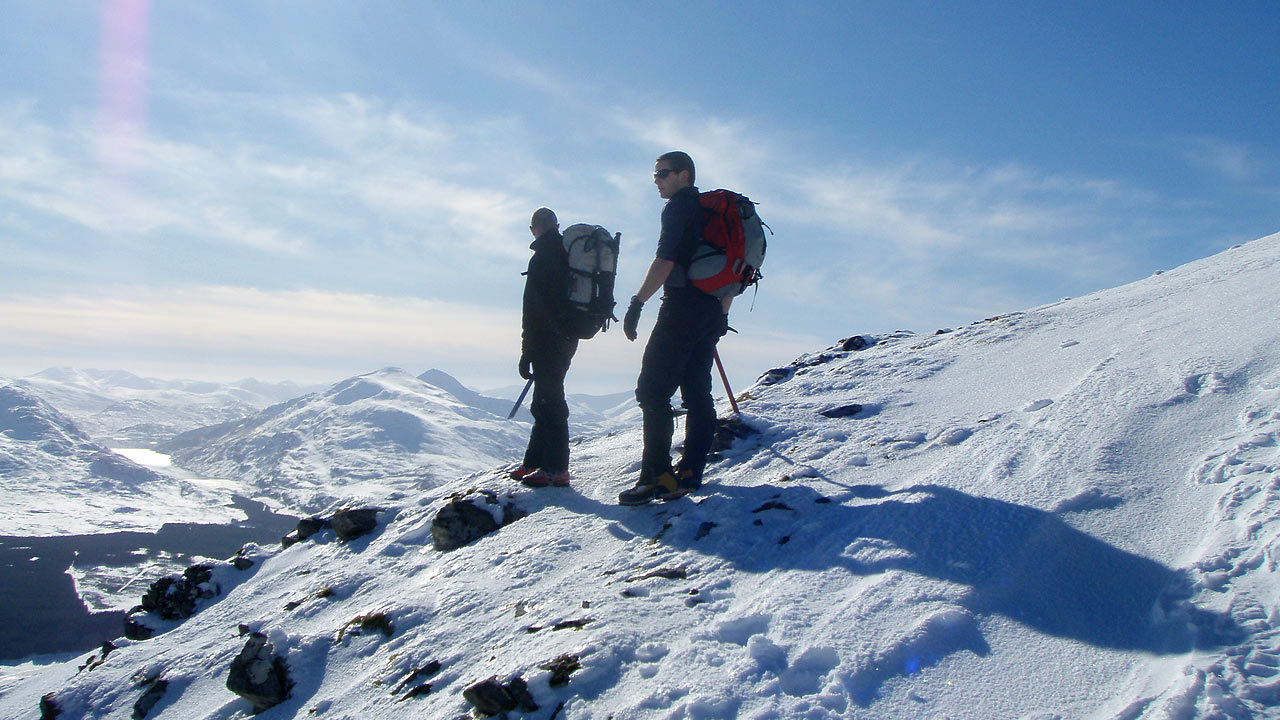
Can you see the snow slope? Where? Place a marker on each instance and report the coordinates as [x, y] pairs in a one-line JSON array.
[[1068, 512], [55, 480], [379, 436]]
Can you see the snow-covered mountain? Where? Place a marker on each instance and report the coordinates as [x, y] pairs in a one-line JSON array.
[[378, 436], [588, 414], [123, 410], [55, 480], [1068, 512]]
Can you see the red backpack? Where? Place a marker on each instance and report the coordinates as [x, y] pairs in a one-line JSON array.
[[728, 258]]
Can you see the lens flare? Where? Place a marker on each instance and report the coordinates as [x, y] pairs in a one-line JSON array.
[[122, 84]]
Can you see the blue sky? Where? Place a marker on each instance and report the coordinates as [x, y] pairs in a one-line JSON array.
[[310, 190]]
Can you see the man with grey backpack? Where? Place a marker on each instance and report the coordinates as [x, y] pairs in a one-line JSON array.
[[568, 296], [546, 350]]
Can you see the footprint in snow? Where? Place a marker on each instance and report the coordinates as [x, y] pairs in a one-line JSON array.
[[739, 631], [954, 436], [1204, 383]]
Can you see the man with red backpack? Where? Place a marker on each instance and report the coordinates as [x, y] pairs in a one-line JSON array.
[[682, 345]]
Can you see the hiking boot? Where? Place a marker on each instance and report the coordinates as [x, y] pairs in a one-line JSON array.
[[649, 488], [542, 478], [686, 482], [521, 473]]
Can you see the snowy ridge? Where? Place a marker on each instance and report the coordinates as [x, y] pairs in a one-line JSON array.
[[124, 410], [1068, 512], [58, 481], [588, 414], [376, 436]]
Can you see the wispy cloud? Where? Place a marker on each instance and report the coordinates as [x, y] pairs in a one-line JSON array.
[[1233, 161], [914, 238], [402, 200]]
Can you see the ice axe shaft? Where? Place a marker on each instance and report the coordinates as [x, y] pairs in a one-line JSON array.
[[725, 379], [516, 408]]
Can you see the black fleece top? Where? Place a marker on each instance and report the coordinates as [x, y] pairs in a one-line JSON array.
[[682, 221], [546, 292]]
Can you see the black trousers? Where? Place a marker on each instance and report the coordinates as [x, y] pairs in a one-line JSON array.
[[679, 355], [549, 442]]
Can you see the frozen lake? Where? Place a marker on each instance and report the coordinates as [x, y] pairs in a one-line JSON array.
[[76, 588]]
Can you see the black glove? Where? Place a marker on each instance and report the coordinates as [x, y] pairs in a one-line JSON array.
[[526, 369], [724, 330], [632, 319]]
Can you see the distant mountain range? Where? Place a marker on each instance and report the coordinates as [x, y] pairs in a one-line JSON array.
[[56, 480], [374, 436], [122, 409]]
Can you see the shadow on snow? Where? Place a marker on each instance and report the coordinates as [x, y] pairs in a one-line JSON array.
[[1020, 562]]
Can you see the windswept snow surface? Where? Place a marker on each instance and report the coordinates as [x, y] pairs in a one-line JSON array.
[[1068, 512]]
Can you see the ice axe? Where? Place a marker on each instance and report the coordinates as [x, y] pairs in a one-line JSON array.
[[516, 408], [725, 379]]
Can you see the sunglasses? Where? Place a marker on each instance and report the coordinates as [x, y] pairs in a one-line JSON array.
[[662, 174]]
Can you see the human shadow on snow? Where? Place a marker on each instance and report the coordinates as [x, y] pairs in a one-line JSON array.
[[1020, 562]]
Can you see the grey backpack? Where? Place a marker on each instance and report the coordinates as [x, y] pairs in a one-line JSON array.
[[593, 266]]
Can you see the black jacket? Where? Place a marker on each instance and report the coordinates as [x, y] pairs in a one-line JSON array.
[[546, 292], [682, 221]]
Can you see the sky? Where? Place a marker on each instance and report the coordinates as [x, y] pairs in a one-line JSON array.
[[312, 190]]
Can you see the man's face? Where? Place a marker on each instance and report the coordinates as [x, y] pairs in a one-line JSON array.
[[668, 180]]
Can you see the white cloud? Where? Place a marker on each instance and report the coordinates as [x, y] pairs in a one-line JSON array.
[[1233, 161], [368, 193]]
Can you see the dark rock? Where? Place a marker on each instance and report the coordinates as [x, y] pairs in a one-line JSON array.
[[842, 411], [489, 697], [174, 598], [518, 689], [364, 623], [197, 574], [561, 668], [773, 505], [421, 673], [775, 376], [728, 431], [417, 691], [351, 524], [857, 342], [672, 573], [95, 661], [258, 675], [463, 520], [814, 361], [242, 563], [288, 541], [49, 709], [310, 526], [562, 625], [704, 529], [149, 699], [135, 630]]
